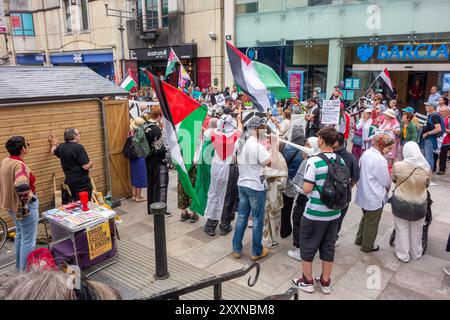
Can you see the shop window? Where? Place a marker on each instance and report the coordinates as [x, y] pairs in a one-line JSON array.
[[84, 15], [246, 7], [22, 24]]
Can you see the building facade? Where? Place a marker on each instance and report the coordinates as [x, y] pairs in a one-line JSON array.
[[69, 33], [193, 28], [317, 44]]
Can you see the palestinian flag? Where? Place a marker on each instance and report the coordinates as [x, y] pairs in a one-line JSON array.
[[172, 62], [183, 120], [385, 81], [256, 79], [128, 82]]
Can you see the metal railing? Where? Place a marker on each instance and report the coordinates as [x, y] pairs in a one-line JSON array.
[[215, 281]]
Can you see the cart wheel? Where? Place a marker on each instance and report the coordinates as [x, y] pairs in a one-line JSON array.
[[3, 232]]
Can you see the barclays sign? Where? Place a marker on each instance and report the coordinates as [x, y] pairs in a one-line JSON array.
[[406, 52]]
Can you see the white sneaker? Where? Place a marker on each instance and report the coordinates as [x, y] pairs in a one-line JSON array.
[[295, 254], [433, 184]]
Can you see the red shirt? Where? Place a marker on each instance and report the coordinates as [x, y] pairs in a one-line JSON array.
[[31, 178]]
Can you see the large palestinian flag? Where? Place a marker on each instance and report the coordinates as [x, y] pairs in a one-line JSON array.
[[183, 120], [257, 80]]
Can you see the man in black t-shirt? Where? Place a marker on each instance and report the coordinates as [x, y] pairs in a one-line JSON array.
[[74, 161], [312, 119], [431, 132]]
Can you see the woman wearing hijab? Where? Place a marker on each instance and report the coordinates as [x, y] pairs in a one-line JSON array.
[[311, 149], [412, 177], [373, 188]]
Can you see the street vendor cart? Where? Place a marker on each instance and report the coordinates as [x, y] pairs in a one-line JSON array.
[[82, 238]]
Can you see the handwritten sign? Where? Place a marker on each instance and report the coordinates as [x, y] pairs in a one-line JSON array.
[[220, 100], [331, 111], [99, 240]]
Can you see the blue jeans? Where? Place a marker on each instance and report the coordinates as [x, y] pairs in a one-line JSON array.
[[250, 202], [428, 152], [26, 233]]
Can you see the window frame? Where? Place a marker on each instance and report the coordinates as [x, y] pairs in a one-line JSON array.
[[79, 5], [155, 21], [22, 29]]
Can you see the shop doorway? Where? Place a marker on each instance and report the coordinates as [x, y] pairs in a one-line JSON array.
[[413, 87]]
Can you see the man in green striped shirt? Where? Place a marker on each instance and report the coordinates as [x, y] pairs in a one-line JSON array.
[[319, 225]]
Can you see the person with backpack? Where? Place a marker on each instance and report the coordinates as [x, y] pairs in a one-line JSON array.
[[373, 187], [433, 129], [138, 168], [155, 159], [327, 180]]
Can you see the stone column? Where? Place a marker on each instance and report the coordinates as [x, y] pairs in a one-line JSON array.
[[335, 73]]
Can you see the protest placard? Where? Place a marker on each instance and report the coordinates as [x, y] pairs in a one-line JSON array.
[[331, 111], [220, 100], [99, 240]]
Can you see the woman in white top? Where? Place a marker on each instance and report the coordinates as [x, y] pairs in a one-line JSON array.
[[373, 188]]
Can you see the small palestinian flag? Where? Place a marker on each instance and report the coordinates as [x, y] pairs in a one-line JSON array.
[[128, 82], [172, 62], [257, 80], [183, 120]]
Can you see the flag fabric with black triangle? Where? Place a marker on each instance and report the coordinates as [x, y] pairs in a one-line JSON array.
[[386, 82], [255, 79], [128, 82], [183, 120]]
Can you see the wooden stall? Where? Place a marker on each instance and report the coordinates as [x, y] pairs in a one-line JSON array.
[[33, 107]]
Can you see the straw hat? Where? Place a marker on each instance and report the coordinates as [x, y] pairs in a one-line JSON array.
[[390, 113]]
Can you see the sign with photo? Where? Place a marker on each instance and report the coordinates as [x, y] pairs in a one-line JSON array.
[[220, 99], [331, 110]]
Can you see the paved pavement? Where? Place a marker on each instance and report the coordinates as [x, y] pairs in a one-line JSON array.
[[356, 275]]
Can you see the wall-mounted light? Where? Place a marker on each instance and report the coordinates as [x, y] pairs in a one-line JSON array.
[[213, 36]]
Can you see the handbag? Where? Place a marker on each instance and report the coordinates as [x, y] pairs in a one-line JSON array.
[[390, 200], [357, 138], [128, 150]]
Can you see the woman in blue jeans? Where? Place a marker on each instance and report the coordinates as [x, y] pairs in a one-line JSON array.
[[18, 198], [252, 157]]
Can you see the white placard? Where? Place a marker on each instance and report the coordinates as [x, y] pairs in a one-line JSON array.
[[135, 107], [220, 99], [331, 110]]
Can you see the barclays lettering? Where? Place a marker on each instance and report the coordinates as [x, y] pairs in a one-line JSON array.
[[405, 52]]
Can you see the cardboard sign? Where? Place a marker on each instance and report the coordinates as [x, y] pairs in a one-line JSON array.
[[99, 240], [220, 99], [331, 110]]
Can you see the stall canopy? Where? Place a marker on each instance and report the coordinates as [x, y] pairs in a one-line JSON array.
[[33, 84]]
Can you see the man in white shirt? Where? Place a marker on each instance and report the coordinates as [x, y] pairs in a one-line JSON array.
[[252, 157], [373, 188]]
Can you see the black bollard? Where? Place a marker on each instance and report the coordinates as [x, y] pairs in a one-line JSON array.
[[158, 209]]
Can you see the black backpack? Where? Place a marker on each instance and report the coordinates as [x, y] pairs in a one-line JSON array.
[[337, 189], [128, 150]]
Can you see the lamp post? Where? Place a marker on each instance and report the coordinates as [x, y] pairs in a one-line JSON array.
[[121, 14]]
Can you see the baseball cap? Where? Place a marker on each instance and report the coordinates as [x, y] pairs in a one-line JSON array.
[[433, 104]]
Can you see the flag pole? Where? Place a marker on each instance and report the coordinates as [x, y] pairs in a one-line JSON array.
[[301, 148], [376, 78]]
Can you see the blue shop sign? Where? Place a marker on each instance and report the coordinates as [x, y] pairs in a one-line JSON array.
[[81, 58], [29, 59], [406, 52]]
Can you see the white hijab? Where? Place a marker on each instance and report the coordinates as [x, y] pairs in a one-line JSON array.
[[314, 150], [413, 156]]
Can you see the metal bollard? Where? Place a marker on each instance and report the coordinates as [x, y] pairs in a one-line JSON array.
[[158, 209]]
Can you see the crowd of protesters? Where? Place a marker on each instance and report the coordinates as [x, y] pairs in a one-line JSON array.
[[272, 173]]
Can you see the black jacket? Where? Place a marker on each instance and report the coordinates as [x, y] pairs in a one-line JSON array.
[[350, 162]]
